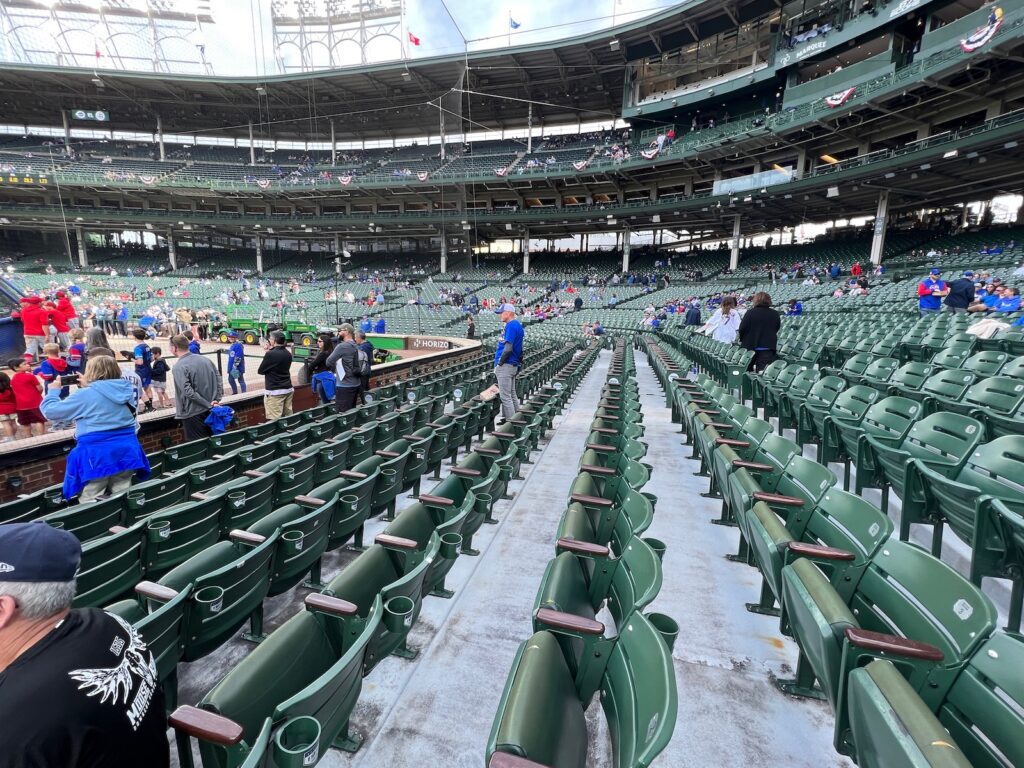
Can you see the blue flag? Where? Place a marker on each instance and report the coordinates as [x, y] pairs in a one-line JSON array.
[[513, 23]]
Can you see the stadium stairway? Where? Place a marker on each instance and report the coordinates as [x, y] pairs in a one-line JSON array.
[[726, 659], [445, 704]]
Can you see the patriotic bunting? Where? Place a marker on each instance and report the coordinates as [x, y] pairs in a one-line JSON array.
[[500, 171], [838, 99], [579, 165], [345, 180], [263, 183], [984, 33], [147, 179], [422, 175], [650, 154]]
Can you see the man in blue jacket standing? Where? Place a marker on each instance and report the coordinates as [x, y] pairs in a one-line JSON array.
[[508, 359]]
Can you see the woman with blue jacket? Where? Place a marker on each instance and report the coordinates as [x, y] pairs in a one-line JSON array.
[[107, 453]]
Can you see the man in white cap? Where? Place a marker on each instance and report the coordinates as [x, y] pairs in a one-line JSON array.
[[78, 687], [508, 359]]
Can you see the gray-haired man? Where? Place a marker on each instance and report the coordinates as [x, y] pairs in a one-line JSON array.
[[77, 687]]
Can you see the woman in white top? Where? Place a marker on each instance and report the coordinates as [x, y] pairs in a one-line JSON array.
[[724, 324]]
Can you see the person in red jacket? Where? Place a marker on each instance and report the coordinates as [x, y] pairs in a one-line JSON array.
[[856, 270], [70, 313], [34, 321], [60, 324]]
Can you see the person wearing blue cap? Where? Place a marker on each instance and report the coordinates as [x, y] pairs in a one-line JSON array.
[[961, 294], [78, 688], [930, 292], [508, 359]]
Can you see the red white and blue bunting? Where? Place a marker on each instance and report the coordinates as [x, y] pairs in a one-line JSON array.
[[650, 154], [345, 180], [263, 183], [838, 99], [423, 175], [579, 165], [500, 171], [147, 179], [984, 33]]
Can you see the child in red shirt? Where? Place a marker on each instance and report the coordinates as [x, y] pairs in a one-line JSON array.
[[28, 394], [8, 406]]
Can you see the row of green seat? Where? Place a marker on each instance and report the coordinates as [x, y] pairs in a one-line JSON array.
[[291, 699], [893, 638], [601, 563]]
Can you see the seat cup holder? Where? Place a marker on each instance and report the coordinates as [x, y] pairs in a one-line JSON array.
[[287, 474], [197, 476], [482, 503], [209, 601], [667, 627], [293, 539], [158, 530], [136, 500], [657, 545], [651, 498], [297, 743], [390, 477], [398, 614], [450, 544], [350, 504]]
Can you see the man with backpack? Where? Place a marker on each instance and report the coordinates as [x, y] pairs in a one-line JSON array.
[[344, 360], [366, 350]]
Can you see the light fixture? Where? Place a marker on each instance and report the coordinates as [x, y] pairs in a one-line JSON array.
[[613, 44], [951, 154], [829, 159]]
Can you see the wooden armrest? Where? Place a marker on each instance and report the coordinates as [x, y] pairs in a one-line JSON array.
[[730, 441], [117, 529], [505, 760], [351, 474], [246, 537], [465, 472], [335, 606], [604, 430], [294, 455], [718, 425], [591, 501], [817, 550], [581, 547], [253, 473], [153, 591], [900, 646], [778, 498], [208, 726], [388, 454], [309, 501], [701, 401], [487, 451], [199, 496], [387, 540], [596, 470], [524, 409], [612, 397], [569, 621], [436, 501], [435, 425], [601, 447], [702, 412], [502, 435], [414, 438], [756, 466]]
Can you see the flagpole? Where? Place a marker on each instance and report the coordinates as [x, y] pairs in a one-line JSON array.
[[509, 27], [403, 37]]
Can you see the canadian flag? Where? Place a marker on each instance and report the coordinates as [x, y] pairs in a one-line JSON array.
[[413, 39]]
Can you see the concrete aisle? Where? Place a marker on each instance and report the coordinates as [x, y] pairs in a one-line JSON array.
[[438, 709], [730, 713]]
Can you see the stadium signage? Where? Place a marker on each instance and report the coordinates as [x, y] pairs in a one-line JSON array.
[[418, 342], [98, 115], [811, 48], [903, 7], [16, 178]]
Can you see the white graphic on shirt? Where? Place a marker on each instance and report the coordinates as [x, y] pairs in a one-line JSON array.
[[116, 683], [6, 568]]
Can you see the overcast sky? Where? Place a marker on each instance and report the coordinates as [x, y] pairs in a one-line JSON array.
[[442, 28]]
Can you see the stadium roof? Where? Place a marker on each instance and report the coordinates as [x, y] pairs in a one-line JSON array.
[[578, 79]]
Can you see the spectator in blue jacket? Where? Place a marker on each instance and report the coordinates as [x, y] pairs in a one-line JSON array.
[[236, 364], [1010, 302], [380, 325]]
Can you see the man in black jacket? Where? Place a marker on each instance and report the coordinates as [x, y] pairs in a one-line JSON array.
[[961, 294], [759, 331], [344, 360], [276, 369]]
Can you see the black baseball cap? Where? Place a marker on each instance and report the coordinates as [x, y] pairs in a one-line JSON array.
[[37, 552]]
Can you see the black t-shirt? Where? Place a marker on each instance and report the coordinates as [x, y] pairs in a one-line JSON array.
[[85, 696]]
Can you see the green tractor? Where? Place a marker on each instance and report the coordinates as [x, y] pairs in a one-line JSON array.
[[253, 331]]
